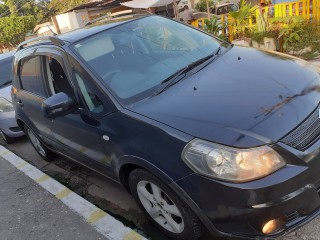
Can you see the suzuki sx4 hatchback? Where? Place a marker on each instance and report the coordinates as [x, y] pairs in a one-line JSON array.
[[205, 135]]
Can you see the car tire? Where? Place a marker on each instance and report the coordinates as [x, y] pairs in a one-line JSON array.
[[42, 150], [6, 138], [163, 207]]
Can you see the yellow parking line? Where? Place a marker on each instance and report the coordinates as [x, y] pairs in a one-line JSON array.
[[5, 153], [132, 235], [22, 165], [63, 193], [42, 179], [95, 216]]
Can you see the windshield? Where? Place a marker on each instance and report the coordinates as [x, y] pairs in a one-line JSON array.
[[5, 71], [134, 58]]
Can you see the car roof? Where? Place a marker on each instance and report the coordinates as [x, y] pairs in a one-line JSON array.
[[6, 55], [97, 27]]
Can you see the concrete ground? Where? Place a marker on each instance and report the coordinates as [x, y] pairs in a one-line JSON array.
[[30, 212]]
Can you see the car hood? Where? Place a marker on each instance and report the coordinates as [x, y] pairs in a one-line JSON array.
[[245, 98], [5, 93]]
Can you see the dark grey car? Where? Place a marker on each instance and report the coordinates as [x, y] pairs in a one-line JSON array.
[[9, 129]]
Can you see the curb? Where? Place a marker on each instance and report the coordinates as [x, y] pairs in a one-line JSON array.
[[105, 224]]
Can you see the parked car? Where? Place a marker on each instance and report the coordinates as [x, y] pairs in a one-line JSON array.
[[203, 134], [9, 129]]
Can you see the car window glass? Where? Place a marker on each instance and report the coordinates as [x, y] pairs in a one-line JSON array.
[[92, 101], [134, 58], [57, 79], [5, 71], [31, 77]]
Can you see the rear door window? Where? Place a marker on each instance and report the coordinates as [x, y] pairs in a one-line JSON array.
[[31, 77]]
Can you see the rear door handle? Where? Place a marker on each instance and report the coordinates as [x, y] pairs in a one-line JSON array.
[[20, 103]]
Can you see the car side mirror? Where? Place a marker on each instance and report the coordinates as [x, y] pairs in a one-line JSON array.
[[58, 105]]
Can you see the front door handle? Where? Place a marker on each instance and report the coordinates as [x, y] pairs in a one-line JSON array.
[[20, 103]]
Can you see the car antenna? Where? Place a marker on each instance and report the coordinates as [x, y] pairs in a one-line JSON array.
[[54, 34]]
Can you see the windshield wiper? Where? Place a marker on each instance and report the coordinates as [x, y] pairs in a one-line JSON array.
[[5, 83], [174, 78]]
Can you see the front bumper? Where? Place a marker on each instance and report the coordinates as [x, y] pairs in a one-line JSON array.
[[241, 210], [9, 125]]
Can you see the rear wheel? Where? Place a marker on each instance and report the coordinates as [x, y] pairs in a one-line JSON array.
[[42, 150], [6, 138], [163, 207]]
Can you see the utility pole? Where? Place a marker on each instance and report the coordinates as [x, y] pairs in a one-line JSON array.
[[208, 9], [175, 8]]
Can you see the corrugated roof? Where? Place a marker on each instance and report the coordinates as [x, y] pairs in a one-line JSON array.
[[105, 4]]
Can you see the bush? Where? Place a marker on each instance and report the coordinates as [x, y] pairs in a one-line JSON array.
[[201, 6], [14, 29]]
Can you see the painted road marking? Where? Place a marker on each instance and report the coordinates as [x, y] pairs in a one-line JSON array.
[[105, 224], [96, 216], [63, 193], [43, 178]]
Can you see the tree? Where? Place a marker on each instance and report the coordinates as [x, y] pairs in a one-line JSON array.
[[14, 29], [3, 9], [59, 6]]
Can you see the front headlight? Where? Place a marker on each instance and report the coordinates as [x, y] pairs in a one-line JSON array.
[[231, 164], [5, 105]]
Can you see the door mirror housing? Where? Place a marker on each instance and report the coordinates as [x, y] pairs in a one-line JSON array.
[[58, 105]]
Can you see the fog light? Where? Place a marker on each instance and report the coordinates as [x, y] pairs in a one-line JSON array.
[[273, 225]]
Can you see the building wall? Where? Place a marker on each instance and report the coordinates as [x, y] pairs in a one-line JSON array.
[[45, 31], [72, 20], [82, 18]]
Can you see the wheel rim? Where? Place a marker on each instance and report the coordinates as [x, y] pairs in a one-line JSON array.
[[160, 207], [36, 143], [3, 136]]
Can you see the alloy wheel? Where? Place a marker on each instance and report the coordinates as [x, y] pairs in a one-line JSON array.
[[160, 207], [3, 136], [36, 143]]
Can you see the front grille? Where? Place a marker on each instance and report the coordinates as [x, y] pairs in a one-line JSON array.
[[307, 132], [292, 216]]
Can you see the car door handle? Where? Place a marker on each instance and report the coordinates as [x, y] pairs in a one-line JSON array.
[[20, 103]]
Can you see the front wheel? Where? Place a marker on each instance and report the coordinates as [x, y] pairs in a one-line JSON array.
[[163, 207], [42, 150]]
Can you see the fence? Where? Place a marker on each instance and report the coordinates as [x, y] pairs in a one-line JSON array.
[[307, 9]]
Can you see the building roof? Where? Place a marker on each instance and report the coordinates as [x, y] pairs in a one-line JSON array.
[[46, 24], [81, 33], [104, 4]]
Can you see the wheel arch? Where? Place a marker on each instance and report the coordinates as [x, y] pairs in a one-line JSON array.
[[127, 164], [20, 124]]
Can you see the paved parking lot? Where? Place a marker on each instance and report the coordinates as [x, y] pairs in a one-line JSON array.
[[110, 196]]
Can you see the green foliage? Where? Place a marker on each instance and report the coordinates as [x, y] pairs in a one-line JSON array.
[[289, 29], [262, 22], [3, 9], [13, 30], [37, 8], [202, 5], [215, 27], [60, 6], [259, 36], [240, 19]]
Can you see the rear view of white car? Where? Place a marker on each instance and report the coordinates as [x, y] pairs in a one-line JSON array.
[[9, 129]]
